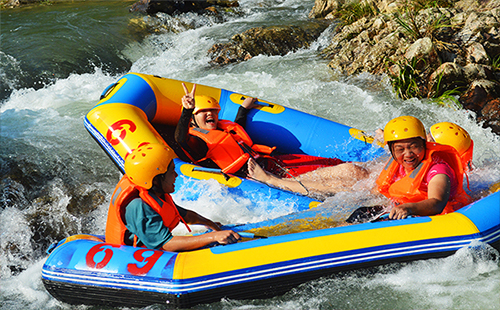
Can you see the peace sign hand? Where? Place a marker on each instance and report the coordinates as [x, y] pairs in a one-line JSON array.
[[188, 98]]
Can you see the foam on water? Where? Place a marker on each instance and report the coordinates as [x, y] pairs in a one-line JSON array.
[[44, 129], [465, 280]]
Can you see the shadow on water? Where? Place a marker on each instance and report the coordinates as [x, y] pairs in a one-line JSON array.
[[42, 44]]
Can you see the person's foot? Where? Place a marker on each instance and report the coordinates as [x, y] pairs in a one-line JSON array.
[[256, 172]]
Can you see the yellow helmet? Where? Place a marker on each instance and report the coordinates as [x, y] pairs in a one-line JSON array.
[[403, 127], [203, 102], [451, 134], [146, 162]]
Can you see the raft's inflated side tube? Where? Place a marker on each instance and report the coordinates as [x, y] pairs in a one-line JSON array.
[[93, 272], [123, 118]]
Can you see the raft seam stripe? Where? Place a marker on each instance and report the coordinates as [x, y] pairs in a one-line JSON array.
[[289, 269], [103, 142]]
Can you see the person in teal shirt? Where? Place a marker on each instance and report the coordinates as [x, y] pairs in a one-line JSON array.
[[142, 212]]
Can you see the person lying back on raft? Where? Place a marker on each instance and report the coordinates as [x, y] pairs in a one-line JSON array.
[[421, 178], [223, 144], [142, 212]]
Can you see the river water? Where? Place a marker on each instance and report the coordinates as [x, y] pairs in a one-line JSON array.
[[55, 61]]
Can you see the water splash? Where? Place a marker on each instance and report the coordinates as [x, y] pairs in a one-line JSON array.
[[56, 181]]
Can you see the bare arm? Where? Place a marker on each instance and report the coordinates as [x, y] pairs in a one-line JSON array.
[[438, 195], [192, 217], [187, 243]]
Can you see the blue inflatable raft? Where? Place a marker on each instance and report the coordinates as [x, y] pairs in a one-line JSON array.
[[84, 269], [140, 109]]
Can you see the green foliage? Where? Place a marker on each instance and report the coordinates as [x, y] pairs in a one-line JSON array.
[[405, 83], [417, 26], [425, 4], [354, 11], [407, 19], [495, 63], [448, 97]]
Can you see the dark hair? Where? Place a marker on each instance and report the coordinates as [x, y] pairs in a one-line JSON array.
[[156, 187]]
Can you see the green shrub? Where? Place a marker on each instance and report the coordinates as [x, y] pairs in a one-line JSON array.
[[405, 83], [354, 11]]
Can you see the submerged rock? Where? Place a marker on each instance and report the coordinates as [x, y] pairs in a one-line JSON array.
[[179, 6], [275, 40]]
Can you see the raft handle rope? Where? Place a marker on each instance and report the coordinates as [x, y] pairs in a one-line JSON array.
[[108, 91], [256, 155], [287, 171]]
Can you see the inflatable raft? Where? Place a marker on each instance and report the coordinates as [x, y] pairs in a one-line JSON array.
[[140, 109], [85, 270]]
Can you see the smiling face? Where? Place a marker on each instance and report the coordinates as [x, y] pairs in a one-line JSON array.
[[408, 152], [168, 179], [207, 119]]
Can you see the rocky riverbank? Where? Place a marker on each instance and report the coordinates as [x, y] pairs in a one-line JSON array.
[[439, 53]]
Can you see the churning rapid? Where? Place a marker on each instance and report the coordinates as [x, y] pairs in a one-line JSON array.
[[55, 61]]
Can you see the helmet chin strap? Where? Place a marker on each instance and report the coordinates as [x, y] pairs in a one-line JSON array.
[[193, 122]]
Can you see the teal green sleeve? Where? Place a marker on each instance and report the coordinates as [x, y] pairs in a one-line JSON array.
[[146, 224]]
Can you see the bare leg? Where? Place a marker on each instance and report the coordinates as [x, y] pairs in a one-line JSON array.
[[256, 172], [327, 180]]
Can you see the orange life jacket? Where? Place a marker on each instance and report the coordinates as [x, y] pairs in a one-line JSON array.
[[408, 188], [466, 157], [229, 146], [124, 193]]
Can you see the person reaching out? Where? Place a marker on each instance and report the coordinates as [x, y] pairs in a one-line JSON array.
[[142, 212], [421, 178]]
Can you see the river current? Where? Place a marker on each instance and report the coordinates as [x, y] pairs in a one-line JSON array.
[[55, 60]]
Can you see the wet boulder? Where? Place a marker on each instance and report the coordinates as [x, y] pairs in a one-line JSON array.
[[274, 40], [152, 7], [483, 97]]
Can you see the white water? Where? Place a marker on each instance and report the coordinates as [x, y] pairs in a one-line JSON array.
[[43, 129]]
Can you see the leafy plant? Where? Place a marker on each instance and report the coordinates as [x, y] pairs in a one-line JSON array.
[[354, 11], [495, 63], [425, 4], [405, 82], [411, 26], [448, 97]]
